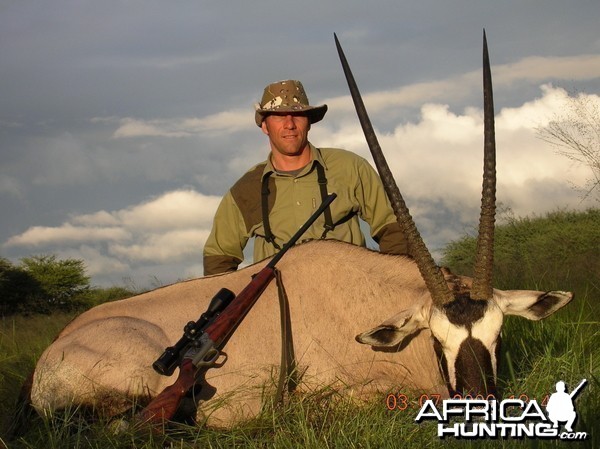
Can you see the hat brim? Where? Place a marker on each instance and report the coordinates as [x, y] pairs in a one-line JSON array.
[[315, 113]]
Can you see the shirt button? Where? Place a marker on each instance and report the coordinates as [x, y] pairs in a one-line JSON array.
[[297, 203]]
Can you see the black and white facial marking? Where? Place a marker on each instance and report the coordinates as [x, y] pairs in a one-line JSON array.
[[467, 336], [466, 333]]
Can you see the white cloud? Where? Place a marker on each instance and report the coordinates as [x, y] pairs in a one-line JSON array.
[[222, 122], [537, 112], [532, 69], [173, 212], [97, 263], [101, 218], [67, 234], [179, 209], [164, 230], [226, 121], [536, 68], [439, 158], [130, 127], [166, 247]]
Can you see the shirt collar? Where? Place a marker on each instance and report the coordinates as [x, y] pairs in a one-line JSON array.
[[315, 158]]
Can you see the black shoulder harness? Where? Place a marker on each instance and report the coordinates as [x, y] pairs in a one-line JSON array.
[[322, 180]]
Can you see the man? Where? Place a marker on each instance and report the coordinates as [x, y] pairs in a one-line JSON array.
[[274, 198]]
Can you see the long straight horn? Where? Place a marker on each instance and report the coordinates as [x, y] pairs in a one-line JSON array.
[[431, 273], [484, 257]]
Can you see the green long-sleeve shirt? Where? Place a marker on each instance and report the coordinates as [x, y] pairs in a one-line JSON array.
[[292, 199]]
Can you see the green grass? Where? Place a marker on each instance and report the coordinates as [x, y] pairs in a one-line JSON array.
[[536, 355], [22, 340]]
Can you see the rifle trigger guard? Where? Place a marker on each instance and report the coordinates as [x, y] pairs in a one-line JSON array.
[[210, 359]]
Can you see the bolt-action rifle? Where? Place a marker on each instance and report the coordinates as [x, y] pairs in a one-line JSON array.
[[202, 340]]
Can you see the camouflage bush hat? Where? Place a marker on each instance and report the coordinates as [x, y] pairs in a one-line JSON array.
[[287, 96]]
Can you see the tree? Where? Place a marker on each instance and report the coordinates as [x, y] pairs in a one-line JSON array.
[[16, 286], [62, 283], [44, 284], [576, 134]]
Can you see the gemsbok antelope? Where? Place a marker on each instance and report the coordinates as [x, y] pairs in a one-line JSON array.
[[422, 329]]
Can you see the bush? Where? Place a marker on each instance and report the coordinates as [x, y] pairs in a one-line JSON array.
[[101, 295], [15, 286], [42, 284]]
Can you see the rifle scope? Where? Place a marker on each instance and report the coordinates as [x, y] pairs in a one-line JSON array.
[[169, 360]]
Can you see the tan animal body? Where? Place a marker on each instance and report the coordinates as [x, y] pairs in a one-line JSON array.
[[336, 291]]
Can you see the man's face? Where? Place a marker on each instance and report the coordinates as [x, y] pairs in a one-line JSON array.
[[288, 132]]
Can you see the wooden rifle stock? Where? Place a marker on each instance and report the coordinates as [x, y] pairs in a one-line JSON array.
[[163, 407]]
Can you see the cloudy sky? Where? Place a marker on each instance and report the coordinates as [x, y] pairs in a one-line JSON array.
[[122, 123]]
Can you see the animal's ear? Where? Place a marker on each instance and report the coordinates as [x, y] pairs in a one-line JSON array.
[[393, 331], [532, 305]]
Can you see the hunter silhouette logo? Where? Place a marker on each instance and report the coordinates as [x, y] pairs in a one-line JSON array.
[[560, 406]]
